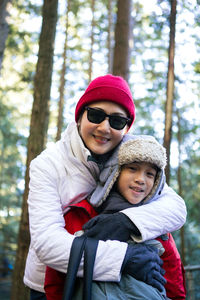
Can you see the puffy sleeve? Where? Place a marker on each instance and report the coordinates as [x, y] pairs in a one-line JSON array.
[[49, 239], [166, 213]]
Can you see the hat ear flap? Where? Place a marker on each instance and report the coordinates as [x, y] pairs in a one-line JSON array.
[[111, 184], [157, 187], [104, 186]]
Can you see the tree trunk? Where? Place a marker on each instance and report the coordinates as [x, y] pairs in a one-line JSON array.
[[62, 78], [110, 39], [180, 189], [123, 37], [3, 27], [170, 88], [92, 41], [37, 137]]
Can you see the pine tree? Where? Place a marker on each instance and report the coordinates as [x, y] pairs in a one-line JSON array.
[[37, 137], [170, 88], [123, 33]]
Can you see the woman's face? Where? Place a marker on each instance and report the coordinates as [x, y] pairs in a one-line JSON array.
[[102, 138]]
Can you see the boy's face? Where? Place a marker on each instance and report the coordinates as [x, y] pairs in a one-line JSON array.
[[136, 181], [102, 138]]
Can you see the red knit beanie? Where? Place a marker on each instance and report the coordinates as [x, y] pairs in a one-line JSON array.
[[108, 88]]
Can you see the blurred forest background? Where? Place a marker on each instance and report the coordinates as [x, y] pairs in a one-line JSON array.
[[49, 51]]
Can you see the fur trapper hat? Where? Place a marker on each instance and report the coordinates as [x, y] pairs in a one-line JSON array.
[[132, 149], [142, 150]]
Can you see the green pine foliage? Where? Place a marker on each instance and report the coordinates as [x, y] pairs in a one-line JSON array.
[[16, 84], [11, 176], [148, 75]]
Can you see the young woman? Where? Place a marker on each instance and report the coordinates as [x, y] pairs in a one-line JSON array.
[[67, 173]]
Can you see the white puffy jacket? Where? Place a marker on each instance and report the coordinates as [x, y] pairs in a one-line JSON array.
[[61, 175]]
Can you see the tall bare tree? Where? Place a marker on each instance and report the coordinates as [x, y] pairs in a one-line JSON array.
[[123, 38], [180, 189], [92, 40], [109, 39], [170, 87], [3, 26], [38, 132], [62, 77]]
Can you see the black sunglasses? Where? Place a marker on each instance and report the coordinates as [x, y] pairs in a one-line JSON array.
[[97, 116]]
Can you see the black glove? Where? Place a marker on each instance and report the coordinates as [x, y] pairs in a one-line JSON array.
[[115, 226], [144, 264]]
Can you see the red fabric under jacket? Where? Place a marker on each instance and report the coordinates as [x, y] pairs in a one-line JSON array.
[[82, 212]]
